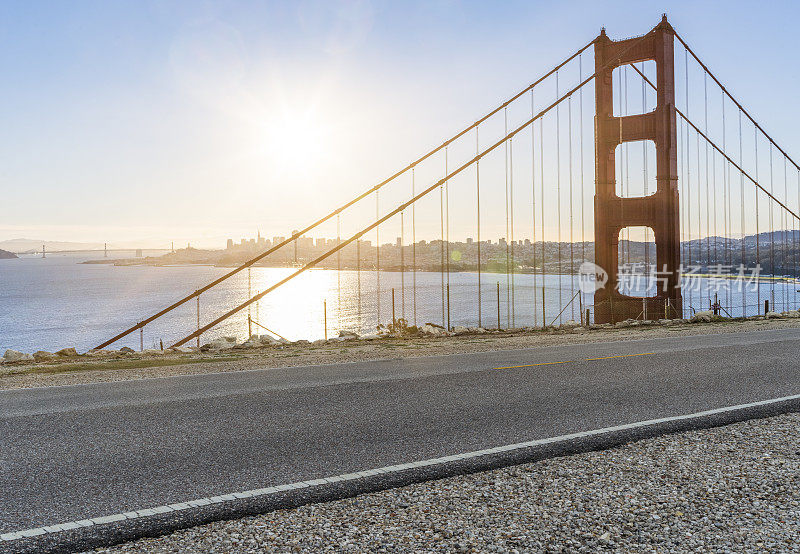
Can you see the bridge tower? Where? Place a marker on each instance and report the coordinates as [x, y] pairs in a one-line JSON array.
[[659, 211]]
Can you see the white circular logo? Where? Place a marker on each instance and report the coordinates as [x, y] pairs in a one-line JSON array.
[[591, 277]]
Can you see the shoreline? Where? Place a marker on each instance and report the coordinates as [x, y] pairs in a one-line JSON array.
[[129, 365]]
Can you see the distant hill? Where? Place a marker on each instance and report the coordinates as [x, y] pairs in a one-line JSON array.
[[28, 245], [5, 255]]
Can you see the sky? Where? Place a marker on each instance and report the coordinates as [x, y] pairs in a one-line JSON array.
[[145, 122]]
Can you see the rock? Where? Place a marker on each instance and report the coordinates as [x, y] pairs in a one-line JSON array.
[[100, 353], [794, 314], [153, 352], [183, 349], [772, 315], [704, 316], [478, 330], [126, 350], [301, 342], [221, 343], [627, 323], [12, 356], [433, 330], [348, 335], [460, 330], [571, 324], [67, 353], [43, 356], [371, 336]]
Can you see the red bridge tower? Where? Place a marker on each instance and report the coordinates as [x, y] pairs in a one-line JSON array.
[[659, 211]]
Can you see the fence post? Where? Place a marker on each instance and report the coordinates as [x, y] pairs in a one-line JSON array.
[[325, 317], [766, 307], [198, 320], [498, 305], [141, 339], [394, 318]]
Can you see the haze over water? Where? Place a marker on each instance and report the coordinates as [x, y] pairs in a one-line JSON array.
[[57, 302]]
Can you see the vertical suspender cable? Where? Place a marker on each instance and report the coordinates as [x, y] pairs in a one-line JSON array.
[[478, 202], [580, 129], [708, 199], [441, 247], [741, 215], [414, 246], [784, 225], [796, 251], [358, 282], [771, 235], [508, 235], [511, 211], [699, 210], [338, 272], [725, 198], [571, 243], [377, 260], [688, 172], [624, 79], [447, 233], [758, 235], [646, 186], [541, 207], [402, 266], [558, 193], [533, 205]]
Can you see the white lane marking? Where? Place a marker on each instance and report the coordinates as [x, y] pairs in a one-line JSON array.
[[377, 471]]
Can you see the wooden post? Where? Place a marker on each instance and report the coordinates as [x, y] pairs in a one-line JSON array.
[[394, 318], [198, 320], [498, 305], [325, 317]]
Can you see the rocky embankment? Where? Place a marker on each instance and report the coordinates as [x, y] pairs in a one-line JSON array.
[[258, 343], [6, 255]]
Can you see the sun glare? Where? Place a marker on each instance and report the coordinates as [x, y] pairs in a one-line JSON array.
[[293, 143]]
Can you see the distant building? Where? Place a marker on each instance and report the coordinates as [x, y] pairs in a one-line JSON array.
[[469, 240], [399, 242], [230, 244]]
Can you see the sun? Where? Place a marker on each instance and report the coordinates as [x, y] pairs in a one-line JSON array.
[[294, 143]]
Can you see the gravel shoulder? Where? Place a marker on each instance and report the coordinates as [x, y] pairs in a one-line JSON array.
[[135, 366], [733, 488]]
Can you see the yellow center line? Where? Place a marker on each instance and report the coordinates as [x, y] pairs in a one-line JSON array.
[[619, 356], [573, 361]]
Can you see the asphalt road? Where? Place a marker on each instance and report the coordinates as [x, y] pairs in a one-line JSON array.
[[75, 452]]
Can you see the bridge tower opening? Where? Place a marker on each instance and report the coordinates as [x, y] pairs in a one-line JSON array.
[[658, 211]]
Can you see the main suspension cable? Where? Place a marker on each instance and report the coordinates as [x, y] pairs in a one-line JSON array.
[[400, 208]]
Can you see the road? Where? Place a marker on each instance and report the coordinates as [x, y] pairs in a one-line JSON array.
[[75, 452]]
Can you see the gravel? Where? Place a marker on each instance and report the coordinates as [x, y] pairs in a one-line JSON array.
[[95, 371], [734, 488]]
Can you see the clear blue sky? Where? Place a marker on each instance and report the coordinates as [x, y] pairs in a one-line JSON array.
[[147, 120]]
